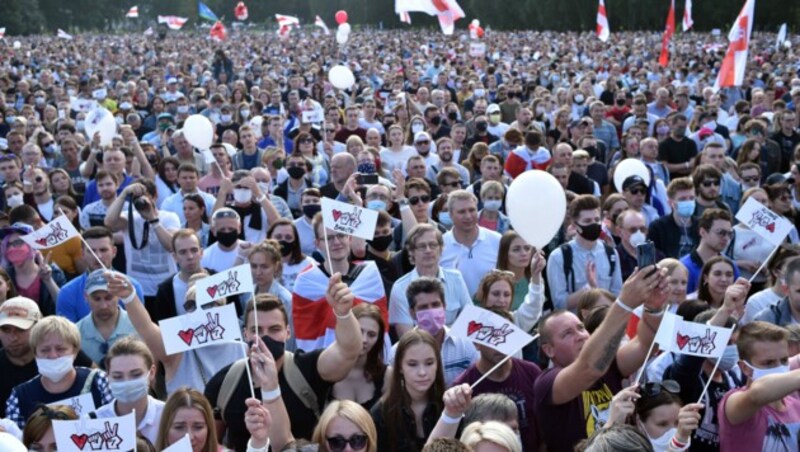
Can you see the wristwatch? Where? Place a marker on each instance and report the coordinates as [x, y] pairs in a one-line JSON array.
[[402, 202], [153, 221]]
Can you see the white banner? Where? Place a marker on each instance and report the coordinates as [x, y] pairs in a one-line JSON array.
[[52, 234], [350, 219], [115, 433], [200, 328], [226, 283], [690, 338], [769, 225], [487, 328], [82, 404]]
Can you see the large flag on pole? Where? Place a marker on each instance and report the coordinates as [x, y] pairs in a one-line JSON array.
[[314, 321], [241, 11], [778, 42], [205, 12], [133, 12], [218, 32], [603, 32], [448, 11], [63, 34], [173, 22], [731, 73], [321, 24], [663, 59], [687, 16], [52, 234]]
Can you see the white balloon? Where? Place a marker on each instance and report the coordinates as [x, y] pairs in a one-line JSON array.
[[17, 44], [630, 167], [9, 443], [255, 123], [342, 34], [101, 120], [344, 28], [536, 206], [341, 77], [199, 131]]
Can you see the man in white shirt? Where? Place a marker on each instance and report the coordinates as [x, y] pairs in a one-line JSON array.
[[468, 247], [226, 227], [188, 175]]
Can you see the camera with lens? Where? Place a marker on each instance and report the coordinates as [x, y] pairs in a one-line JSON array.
[[142, 204]]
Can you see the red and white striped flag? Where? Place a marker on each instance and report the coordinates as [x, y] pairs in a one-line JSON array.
[[285, 24], [314, 320], [663, 59], [321, 24], [405, 17], [63, 34], [448, 11], [687, 16], [218, 32], [133, 12], [173, 22], [241, 11], [731, 73], [603, 32]]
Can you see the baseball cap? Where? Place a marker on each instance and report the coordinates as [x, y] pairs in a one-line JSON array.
[[16, 228], [632, 181], [166, 116], [20, 312], [421, 136], [493, 108], [95, 282], [172, 80], [778, 179]]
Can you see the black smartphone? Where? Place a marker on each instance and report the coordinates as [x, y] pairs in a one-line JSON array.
[[367, 179], [645, 255]]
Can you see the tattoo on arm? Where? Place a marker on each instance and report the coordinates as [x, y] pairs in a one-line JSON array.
[[610, 350]]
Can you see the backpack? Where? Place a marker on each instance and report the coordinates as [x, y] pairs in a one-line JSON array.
[[566, 252], [294, 377]]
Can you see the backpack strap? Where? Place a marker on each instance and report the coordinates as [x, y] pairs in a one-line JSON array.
[[229, 384], [566, 253], [612, 259], [298, 384], [87, 385]]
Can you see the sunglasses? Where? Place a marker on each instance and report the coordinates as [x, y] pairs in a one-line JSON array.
[[306, 140], [191, 305], [414, 200], [655, 388], [710, 183], [338, 443], [642, 229], [423, 142], [723, 233], [638, 191], [225, 213]]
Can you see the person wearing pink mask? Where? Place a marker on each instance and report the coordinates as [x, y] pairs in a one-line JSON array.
[[427, 304], [33, 275]]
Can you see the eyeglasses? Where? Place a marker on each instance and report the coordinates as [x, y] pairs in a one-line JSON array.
[[710, 183], [52, 414], [423, 142], [338, 443], [655, 388], [44, 145], [16, 243], [336, 237], [225, 213], [454, 184], [642, 229], [637, 191], [723, 232], [306, 140], [414, 200], [191, 305], [433, 246]]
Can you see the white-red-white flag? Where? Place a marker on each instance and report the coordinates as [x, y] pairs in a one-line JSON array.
[[603, 32], [285, 24], [405, 18], [63, 34], [687, 16], [448, 11], [241, 11], [731, 73], [173, 22], [149, 31], [321, 24], [218, 32], [133, 12]]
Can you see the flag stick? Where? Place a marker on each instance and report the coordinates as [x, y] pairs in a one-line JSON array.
[[135, 445], [247, 369], [650, 350], [502, 361], [89, 248], [711, 377], [764, 264], [328, 250]]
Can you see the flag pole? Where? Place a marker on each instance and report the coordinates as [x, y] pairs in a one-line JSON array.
[[502, 361], [711, 377], [764, 264], [247, 369], [650, 350], [89, 248]]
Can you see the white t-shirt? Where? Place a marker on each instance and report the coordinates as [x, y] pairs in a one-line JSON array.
[[305, 233], [179, 288], [290, 272], [391, 159], [152, 264], [217, 259]]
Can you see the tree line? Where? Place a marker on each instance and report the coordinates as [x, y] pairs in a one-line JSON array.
[[21, 17]]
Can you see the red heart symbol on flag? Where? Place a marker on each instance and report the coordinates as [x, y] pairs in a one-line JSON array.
[[682, 340], [80, 440], [770, 227], [473, 327], [42, 241], [212, 291], [186, 336], [441, 5], [336, 214]]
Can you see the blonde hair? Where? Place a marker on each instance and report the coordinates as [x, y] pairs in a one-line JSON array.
[[352, 412], [55, 325], [493, 432], [187, 398]]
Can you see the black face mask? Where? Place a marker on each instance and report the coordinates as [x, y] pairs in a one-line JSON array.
[[309, 210], [276, 348], [227, 238], [296, 172], [620, 102], [481, 126], [592, 150], [286, 247], [381, 243], [436, 120], [590, 232], [452, 116]]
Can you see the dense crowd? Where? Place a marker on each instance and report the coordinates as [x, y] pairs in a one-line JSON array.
[[431, 136]]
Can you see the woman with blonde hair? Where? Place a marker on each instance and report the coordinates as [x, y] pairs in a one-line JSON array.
[[354, 145], [490, 436], [187, 412], [345, 423], [397, 152]]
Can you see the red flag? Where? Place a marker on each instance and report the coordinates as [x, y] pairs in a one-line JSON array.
[[603, 31], [241, 11], [314, 321], [218, 32], [663, 60], [133, 12]]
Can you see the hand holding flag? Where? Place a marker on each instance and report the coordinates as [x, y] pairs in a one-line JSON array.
[[339, 296]]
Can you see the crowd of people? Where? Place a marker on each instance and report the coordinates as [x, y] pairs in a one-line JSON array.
[[431, 136]]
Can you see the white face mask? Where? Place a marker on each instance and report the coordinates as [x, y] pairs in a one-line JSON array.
[[662, 442], [242, 195], [264, 187], [14, 200], [245, 114], [226, 118], [492, 205], [637, 238], [417, 127], [759, 373], [130, 391], [55, 369]]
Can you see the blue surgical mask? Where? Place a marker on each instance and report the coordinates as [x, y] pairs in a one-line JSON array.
[[759, 373], [729, 358], [685, 208], [376, 204], [444, 218]]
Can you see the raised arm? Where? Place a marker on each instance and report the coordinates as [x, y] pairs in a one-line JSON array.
[[530, 311], [114, 220], [456, 402], [601, 348], [743, 405], [336, 361], [265, 376]]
